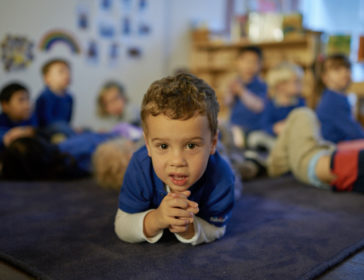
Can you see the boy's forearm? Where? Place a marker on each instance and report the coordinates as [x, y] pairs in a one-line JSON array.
[[129, 227], [150, 226]]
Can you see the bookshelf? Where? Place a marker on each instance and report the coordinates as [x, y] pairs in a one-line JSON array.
[[215, 61]]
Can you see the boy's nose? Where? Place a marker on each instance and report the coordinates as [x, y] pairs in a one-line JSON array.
[[177, 158]]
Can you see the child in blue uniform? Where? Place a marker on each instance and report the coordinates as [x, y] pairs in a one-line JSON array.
[[301, 150], [54, 105], [16, 119], [285, 85], [33, 158], [246, 95], [177, 182], [334, 110]]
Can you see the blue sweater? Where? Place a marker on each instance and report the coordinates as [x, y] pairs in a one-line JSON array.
[[7, 124], [336, 117], [241, 115], [274, 113], [51, 108]]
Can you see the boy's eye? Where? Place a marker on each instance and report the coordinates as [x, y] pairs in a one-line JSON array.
[[191, 146], [163, 146]]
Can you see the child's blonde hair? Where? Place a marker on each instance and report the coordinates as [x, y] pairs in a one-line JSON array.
[[110, 161], [100, 97], [281, 73], [180, 97]]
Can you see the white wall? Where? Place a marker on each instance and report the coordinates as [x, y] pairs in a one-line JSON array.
[[33, 18]]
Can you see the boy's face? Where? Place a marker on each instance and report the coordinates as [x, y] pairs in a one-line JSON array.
[[179, 149], [290, 87], [18, 108], [113, 102], [248, 66], [337, 79], [58, 77]]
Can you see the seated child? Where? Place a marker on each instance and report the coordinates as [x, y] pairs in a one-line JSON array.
[[246, 95], [54, 105], [112, 101], [301, 150], [334, 111], [177, 181], [34, 158], [285, 85], [16, 119]]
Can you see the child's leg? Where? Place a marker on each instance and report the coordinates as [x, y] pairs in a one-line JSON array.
[[297, 144], [348, 167]]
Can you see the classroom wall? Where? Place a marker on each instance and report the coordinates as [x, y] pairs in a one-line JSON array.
[[34, 18], [164, 49]]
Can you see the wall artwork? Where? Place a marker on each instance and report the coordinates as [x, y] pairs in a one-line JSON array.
[[59, 36], [16, 52]]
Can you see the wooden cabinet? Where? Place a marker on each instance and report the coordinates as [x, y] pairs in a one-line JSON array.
[[215, 62]]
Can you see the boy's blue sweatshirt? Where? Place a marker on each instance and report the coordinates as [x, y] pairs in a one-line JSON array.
[[241, 115], [336, 117], [51, 108], [274, 113]]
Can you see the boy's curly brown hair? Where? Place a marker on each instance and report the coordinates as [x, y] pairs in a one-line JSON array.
[[180, 97]]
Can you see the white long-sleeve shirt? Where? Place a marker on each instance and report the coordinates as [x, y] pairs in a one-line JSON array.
[[130, 228]]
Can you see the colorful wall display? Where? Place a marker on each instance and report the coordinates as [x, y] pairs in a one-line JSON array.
[[16, 52], [58, 36]]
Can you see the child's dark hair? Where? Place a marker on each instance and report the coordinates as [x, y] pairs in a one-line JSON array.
[[33, 158], [253, 49], [8, 91], [335, 61], [180, 97], [46, 66]]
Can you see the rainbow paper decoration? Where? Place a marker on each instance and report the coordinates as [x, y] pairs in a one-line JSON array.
[[59, 36]]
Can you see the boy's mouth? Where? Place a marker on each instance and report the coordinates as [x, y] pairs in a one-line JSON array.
[[178, 179]]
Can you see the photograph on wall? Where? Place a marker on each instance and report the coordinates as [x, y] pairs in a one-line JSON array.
[[106, 5], [16, 52], [126, 26], [106, 27], [134, 52], [92, 52], [114, 54], [83, 16], [143, 28]]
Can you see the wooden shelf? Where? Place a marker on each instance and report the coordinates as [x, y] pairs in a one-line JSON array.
[[214, 61]]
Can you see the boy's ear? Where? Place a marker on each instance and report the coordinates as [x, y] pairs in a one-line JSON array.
[[146, 144], [5, 107], [214, 143]]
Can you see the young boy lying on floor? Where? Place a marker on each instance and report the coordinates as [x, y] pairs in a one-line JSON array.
[[178, 181], [301, 149]]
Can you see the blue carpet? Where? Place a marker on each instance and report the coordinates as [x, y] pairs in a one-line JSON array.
[[280, 229]]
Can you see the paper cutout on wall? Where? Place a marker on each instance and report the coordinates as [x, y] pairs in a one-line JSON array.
[[92, 52], [17, 52], [56, 36]]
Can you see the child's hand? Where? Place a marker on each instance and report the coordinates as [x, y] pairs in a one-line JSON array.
[[16, 133], [192, 208], [278, 127], [175, 212], [236, 88]]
